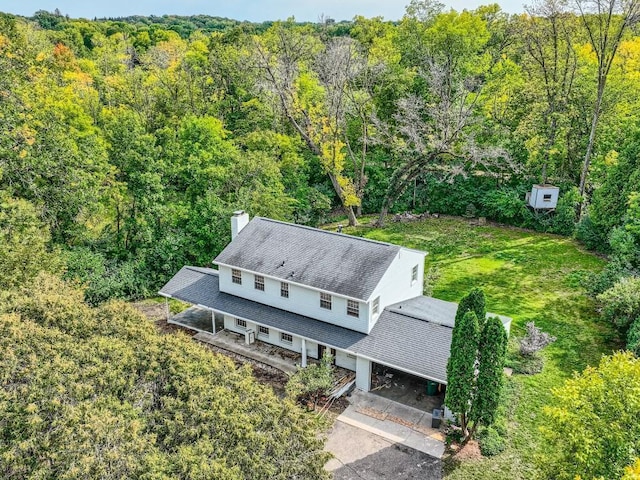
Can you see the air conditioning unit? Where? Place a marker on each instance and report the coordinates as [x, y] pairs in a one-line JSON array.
[[249, 336]]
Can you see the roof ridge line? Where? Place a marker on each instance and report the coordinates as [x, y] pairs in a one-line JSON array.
[[344, 235], [195, 268], [404, 313]]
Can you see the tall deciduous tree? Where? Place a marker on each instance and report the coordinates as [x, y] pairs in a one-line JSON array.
[[23, 243], [461, 369], [548, 35], [312, 107], [435, 135], [592, 424], [605, 23]]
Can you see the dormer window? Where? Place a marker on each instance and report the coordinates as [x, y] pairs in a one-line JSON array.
[[236, 276], [258, 282], [414, 274], [325, 300], [353, 308]]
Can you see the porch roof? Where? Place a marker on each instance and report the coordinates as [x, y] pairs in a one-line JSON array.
[[399, 340]]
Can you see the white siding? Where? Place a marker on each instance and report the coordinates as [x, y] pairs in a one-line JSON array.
[[273, 338], [345, 360], [396, 285], [363, 374], [302, 300]]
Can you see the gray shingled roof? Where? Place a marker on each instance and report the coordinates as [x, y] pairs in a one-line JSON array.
[[200, 286], [342, 264], [409, 343], [398, 339]]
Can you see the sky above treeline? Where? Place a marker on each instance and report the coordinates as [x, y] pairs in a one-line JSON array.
[[251, 10]]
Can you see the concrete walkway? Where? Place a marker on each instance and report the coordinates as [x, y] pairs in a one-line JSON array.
[[392, 421], [235, 343]]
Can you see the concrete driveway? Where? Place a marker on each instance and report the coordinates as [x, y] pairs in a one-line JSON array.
[[376, 438]]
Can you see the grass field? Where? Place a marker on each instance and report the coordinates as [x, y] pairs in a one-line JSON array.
[[529, 277]]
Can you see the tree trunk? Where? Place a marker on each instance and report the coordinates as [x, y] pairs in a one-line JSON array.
[[592, 137], [353, 221], [383, 214]]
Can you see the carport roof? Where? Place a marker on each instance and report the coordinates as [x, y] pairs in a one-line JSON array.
[[418, 344]]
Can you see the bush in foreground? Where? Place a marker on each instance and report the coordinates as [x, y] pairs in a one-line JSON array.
[[99, 393]]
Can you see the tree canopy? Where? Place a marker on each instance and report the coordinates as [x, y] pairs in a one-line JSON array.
[[100, 393]]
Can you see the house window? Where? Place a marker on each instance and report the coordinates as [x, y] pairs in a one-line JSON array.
[[546, 197], [353, 308], [258, 282], [325, 300], [414, 274], [284, 289], [375, 308], [236, 276], [263, 331], [286, 338], [241, 323]]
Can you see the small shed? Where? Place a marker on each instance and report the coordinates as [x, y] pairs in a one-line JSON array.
[[543, 197]]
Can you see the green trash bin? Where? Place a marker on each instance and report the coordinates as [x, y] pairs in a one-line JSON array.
[[432, 387]]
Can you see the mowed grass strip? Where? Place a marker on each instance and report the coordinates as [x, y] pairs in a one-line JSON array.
[[530, 277]]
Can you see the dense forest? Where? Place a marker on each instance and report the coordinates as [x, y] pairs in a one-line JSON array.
[[126, 143], [130, 140]]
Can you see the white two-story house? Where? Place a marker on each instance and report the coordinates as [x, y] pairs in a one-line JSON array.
[[311, 290]]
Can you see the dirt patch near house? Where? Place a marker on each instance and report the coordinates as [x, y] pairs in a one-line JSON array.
[[265, 374], [471, 451]]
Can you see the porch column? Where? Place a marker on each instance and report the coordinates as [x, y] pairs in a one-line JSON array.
[[213, 322], [166, 308], [304, 353], [363, 374]]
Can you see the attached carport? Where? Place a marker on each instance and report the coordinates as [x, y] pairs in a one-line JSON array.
[[413, 337]]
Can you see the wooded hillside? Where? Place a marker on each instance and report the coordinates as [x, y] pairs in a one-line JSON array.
[[134, 138]]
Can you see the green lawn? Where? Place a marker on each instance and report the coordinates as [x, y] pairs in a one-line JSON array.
[[529, 277]]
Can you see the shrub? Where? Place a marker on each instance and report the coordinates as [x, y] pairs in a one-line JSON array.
[[106, 279], [491, 442], [534, 340], [591, 235], [470, 211], [505, 205], [612, 273], [621, 303], [633, 337], [591, 428], [563, 221], [311, 382]]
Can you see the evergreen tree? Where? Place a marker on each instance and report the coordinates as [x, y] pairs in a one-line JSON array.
[[491, 355], [461, 368], [473, 301]]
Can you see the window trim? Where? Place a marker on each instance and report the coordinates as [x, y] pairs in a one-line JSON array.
[[236, 276], [353, 308], [258, 282], [326, 301], [263, 331], [240, 323], [283, 340], [284, 289]]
